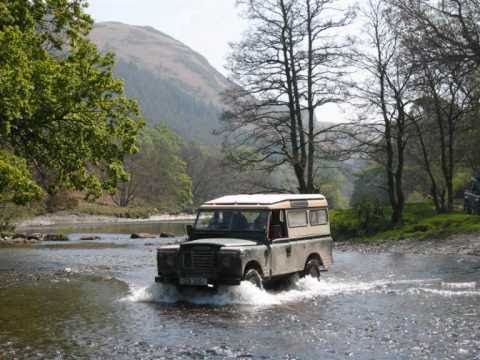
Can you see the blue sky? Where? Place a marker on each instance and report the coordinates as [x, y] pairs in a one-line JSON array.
[[207, 26]]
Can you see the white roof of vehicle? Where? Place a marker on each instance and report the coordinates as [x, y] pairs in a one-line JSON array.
[[266, 200]]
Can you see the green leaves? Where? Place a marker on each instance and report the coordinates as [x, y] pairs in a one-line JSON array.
[[61, 109], [16, 183]]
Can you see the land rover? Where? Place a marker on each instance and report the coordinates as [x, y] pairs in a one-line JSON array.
[[256, 238]]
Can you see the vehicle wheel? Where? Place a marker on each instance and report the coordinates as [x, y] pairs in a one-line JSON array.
[[253, 276], [312, 268]]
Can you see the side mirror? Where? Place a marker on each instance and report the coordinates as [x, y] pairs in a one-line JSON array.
[[189, 230]]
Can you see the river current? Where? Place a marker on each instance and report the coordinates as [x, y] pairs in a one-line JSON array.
[[98, 300]]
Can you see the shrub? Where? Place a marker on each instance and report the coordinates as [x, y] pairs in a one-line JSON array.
[[366, 219]]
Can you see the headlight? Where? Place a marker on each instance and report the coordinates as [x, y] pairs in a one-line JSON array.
[[167, 259], [171, 260], [228, 259]]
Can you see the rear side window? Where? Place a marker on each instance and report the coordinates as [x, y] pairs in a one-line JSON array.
[[318, 217], [297, 218]]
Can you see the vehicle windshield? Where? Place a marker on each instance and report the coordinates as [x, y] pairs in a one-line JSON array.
[[232, 220]]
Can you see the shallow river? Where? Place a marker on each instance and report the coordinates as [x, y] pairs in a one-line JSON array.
[[92, 301]]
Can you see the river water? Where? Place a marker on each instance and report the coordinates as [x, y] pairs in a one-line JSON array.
[[93, 300]]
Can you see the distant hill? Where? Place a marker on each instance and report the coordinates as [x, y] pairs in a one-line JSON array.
[[173, 83]]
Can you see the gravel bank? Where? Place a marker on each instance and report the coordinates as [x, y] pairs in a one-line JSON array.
[[465, 244], [60, 219]]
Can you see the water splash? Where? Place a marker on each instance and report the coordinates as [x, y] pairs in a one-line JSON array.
[[445, 293], [247, 294], [459, 285]]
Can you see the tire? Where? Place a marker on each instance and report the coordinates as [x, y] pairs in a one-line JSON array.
[[254, 277], [312, 268]]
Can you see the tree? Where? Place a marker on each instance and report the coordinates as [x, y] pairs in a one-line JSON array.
[[450, 29], [61, 109], [213, 177], [158, 174], [288, 65], [370, 186], [385, 95], [441, 41]]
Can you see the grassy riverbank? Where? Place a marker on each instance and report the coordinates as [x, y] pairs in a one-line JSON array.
[[420, 222]]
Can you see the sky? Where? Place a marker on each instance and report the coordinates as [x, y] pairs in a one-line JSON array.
[[206, 26]]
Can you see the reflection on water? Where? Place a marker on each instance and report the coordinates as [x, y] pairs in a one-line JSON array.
[[95, 303], [40, 318]]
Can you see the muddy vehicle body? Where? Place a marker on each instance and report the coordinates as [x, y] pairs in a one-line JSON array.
[[471, 200], [258, 238]]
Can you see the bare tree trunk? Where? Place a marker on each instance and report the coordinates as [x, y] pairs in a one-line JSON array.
[[287, 53], [428, 168], [400, 197], [310, 106], [388, 135]]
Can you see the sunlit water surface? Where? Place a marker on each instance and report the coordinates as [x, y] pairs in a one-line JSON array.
[[93, 302]]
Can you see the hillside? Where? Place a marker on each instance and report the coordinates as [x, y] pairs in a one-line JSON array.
[[173, 83]]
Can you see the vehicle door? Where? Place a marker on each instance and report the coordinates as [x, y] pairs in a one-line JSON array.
[[283, 259]]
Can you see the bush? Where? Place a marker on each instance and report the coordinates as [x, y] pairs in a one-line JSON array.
[[366, 219], [61, 201], [371, 217], [11, 213]]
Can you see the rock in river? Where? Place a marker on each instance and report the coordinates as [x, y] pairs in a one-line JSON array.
[[166, 235], [90, 238], [142, 236], [35, 236], [55, 237]]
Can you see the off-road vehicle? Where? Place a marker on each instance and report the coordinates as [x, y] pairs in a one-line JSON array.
[[257, 238]]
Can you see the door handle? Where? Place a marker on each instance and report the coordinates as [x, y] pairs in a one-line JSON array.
[[289, 250]]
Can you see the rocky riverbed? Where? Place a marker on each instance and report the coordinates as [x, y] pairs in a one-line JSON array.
[[463, 244]]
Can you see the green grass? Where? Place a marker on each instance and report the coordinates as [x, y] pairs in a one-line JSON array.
[[420, 222]]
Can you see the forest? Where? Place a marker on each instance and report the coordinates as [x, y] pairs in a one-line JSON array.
[[404, 73]]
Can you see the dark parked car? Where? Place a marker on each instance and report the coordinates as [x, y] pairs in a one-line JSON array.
[[471, 202], [257, 238]]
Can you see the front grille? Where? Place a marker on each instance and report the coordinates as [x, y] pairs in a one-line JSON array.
[[200, 258], [203, 258]]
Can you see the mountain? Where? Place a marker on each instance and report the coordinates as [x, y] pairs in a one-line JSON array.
[[173, 83]]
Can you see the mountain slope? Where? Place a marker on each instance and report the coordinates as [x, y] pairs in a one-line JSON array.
[[173, 83]]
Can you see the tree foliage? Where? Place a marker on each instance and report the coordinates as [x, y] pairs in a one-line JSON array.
[[61, 109], [419, 95], [158, 174], [440, 40], [15, 180]]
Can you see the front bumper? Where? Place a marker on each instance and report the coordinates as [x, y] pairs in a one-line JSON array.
[[211, 281]]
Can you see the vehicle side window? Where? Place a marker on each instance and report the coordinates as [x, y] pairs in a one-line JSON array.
[[297, 218], [318, 217], [277, 225]]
